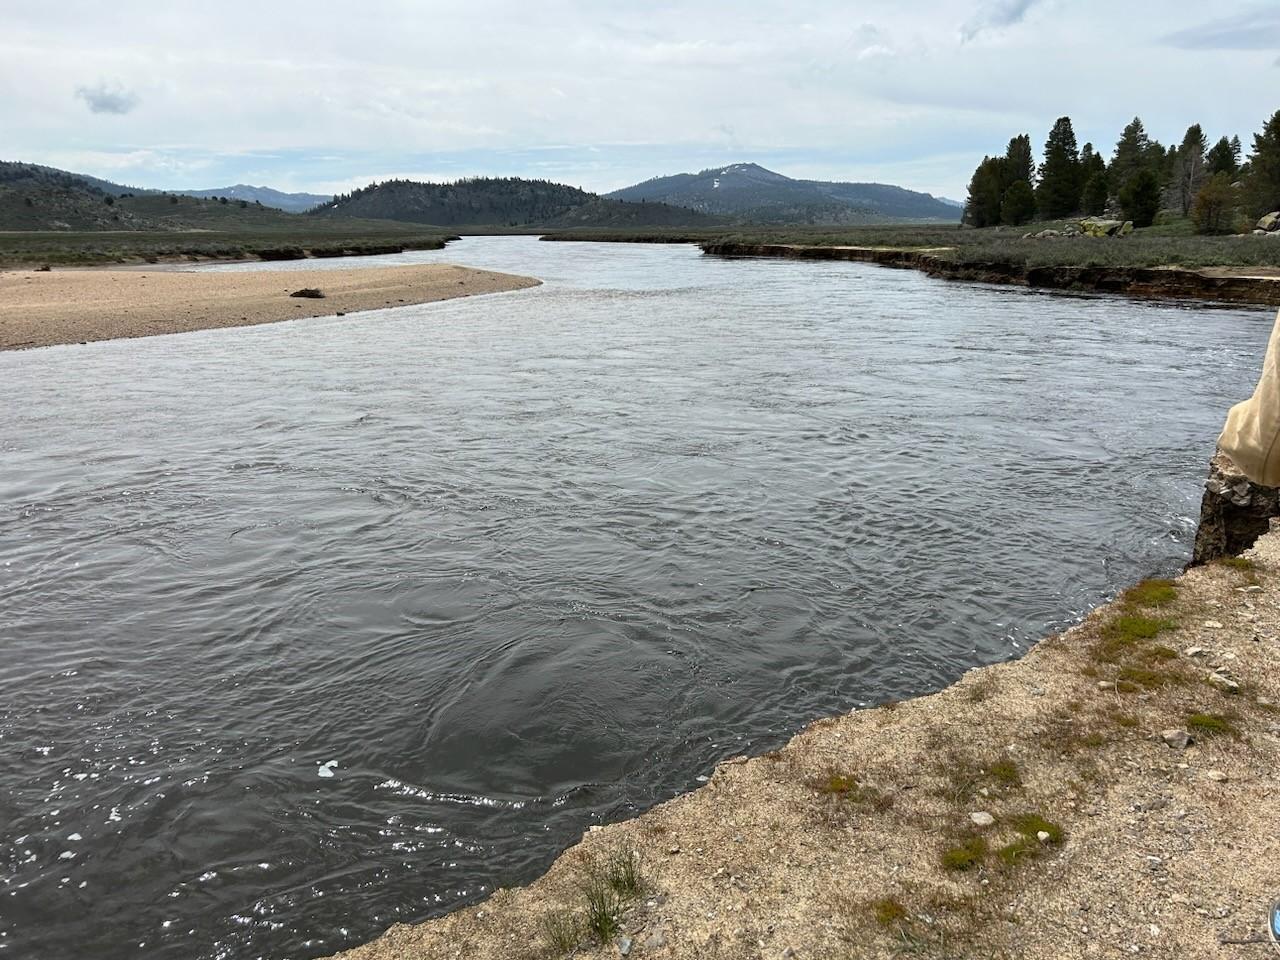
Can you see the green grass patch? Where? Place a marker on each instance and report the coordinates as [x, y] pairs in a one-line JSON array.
[[1124, 632], [1211, 725], [1028, 844], [1150, 593], [889, 912], [1243, 564], [965, 856], [1005, 773]]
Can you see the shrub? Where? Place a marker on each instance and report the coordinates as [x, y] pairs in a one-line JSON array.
[[1213, 211]]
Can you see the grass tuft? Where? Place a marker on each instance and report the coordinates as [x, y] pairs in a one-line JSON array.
[[965, 856], [563, 931], [889, 912], [621, 870], [602, 920], [1211, 725]]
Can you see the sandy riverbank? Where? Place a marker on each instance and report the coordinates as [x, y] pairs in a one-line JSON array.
[[1112, 794], [39, 309]]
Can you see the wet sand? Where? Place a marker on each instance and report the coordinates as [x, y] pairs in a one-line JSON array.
[[76, 306]]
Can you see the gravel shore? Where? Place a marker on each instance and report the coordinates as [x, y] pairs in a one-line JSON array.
[[1112, 794], [38, 309]]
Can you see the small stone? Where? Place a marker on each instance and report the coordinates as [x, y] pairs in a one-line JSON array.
[[1212, 625], [1043, 836], [656, 942], [1037, 691], [1217, 776], [1195, 651], [624, 946], [982, 819], [788, 953], [673, 850], [1264, 702], [1106, 685], [1225, 684], [1176, 739], [595, 828]]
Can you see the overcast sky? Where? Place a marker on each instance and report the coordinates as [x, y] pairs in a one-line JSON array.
[[323, 96]]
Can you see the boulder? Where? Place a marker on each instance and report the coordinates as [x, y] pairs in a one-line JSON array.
[[1270, 222], [1098, 227], [1126, 228]]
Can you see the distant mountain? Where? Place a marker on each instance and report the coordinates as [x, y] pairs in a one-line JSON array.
[[750, 192], [292, 202], [502, 202]]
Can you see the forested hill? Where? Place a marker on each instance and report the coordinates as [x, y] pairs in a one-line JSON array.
[[502, 202], [748, 191]]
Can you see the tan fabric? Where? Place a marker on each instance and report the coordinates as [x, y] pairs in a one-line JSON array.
[[1251, 437]]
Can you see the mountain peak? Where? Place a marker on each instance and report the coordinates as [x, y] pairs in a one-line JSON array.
[[752, 192]]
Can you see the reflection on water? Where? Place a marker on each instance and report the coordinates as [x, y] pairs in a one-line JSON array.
[[508, 565]]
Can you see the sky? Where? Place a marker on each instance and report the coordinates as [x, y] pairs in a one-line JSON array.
[[325, 96]]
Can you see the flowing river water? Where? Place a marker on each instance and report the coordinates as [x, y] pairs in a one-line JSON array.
[[522, 563]]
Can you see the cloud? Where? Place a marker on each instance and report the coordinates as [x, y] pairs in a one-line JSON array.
[[995, 15], [105, 98], [1253, 30]]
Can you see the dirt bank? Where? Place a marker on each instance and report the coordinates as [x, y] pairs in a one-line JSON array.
[[39, 309], [1224, 285], [1111, 794]]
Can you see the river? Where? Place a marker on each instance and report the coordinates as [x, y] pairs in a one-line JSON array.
[[522, 563]]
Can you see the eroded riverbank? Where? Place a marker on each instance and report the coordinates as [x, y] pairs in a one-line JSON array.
[[1219, 284], [1110, 794]]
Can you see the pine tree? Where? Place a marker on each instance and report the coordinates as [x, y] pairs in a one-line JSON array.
[[1189, 169], [1019, 163], [1094, 200], [1262, 187], [1019, 204], [1058, 194], [982, 209], [1132, 153], [1221, 158], [1140, 198]]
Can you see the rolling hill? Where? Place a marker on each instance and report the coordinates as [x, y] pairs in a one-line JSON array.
[[503, 202], [748, 191]]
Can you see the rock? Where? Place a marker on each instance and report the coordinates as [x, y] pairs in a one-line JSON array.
[[1099, 227], [1212, 625], [624, 946], [1223, 683], [982, 819], [1196, 652], [655, 941], [1176, 739], [1270, 222], [1106, 685], [1126, 228], [1217, 776], [1234, 512], [1043, 836]]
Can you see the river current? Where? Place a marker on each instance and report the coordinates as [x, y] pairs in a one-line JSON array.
[[313, 627]]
